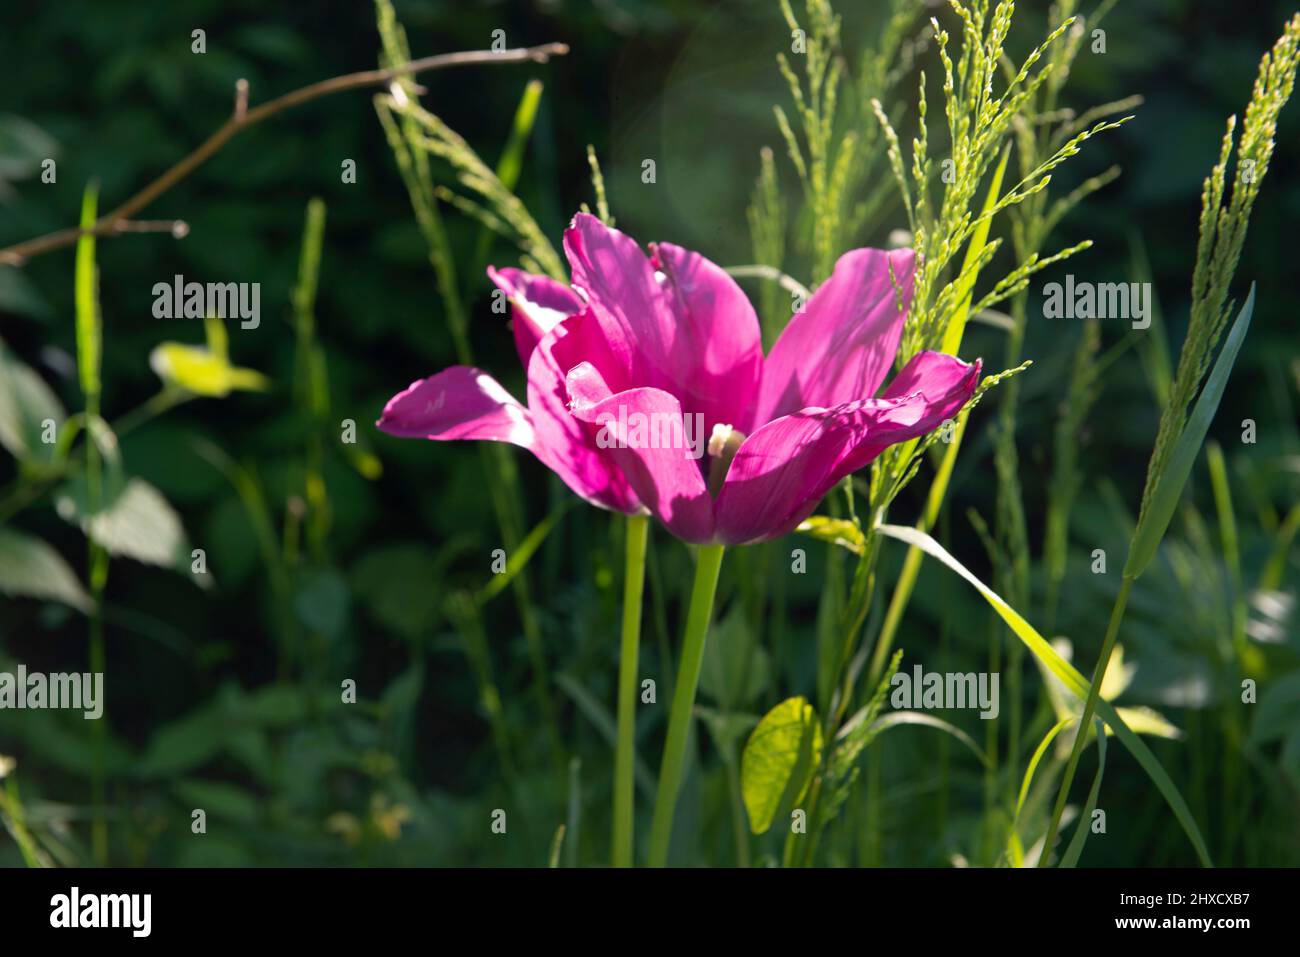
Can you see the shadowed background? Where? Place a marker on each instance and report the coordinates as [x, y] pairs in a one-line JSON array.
[[203, 711]]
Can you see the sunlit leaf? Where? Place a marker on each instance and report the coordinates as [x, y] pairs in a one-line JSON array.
[[778, 762], [30, 568]]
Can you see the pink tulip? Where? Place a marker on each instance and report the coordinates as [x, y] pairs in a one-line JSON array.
[[466, 403], [670, 340]]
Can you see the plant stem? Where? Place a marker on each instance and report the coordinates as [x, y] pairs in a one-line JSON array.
[[707, 566], [1081, 735], [119, 220], [638, 527]]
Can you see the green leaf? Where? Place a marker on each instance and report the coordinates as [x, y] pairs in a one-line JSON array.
[[837, 531], [1081, 831], [135, 520], [1278, 712], [603, 722], [400, 587], [26, 401], [32, 569], [897, 719], [323, 602], [23, 147], [1069, 676], [19, 296], [517, 560], [735, 668], [1169, 486], [1037, 757], [184, 745], [219, 800], [777, 765], [512, 157]]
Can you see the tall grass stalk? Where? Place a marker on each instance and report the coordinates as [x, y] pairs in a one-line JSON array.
[[1224, 220], [413, 134]]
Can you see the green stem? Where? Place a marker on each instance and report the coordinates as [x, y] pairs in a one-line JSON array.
[[638, 527], [707, 566], [99, 822], [1081, 735]]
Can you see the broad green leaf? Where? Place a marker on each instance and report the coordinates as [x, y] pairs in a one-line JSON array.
[[183, 745], [23, 147], [1069, 676], [323, 601], [735, 667], [135, 520], [1169, 486], [726, 728], [30, 568], [19, 296], [219, 800], [399, 585], [26, 402], [778, 762], [1278, 712]]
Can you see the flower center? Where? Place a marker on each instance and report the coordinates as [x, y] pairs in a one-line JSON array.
[[723, 445]]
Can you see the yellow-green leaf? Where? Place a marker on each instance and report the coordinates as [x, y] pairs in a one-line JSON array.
[[777, 765]]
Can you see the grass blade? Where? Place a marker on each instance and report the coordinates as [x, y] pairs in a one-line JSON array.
[[1069, 676], [1169, 487], [1071, 858]]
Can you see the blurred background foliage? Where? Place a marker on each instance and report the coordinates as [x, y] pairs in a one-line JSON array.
[[223, 697]]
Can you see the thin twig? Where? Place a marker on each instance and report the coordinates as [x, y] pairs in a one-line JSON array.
[[243, 117]]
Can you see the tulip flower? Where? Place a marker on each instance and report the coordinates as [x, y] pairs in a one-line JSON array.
[[672, 335], [669, 337], [648, 391]]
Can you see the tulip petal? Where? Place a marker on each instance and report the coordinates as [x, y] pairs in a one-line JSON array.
[[566, 444], [540, 303], [459, 403], [643, 430], [841, 346], [934, 374], [721, 347], [679, 323], [787, 466]]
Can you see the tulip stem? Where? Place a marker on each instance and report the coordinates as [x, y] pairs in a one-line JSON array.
[[638, 527], [707, 566]]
